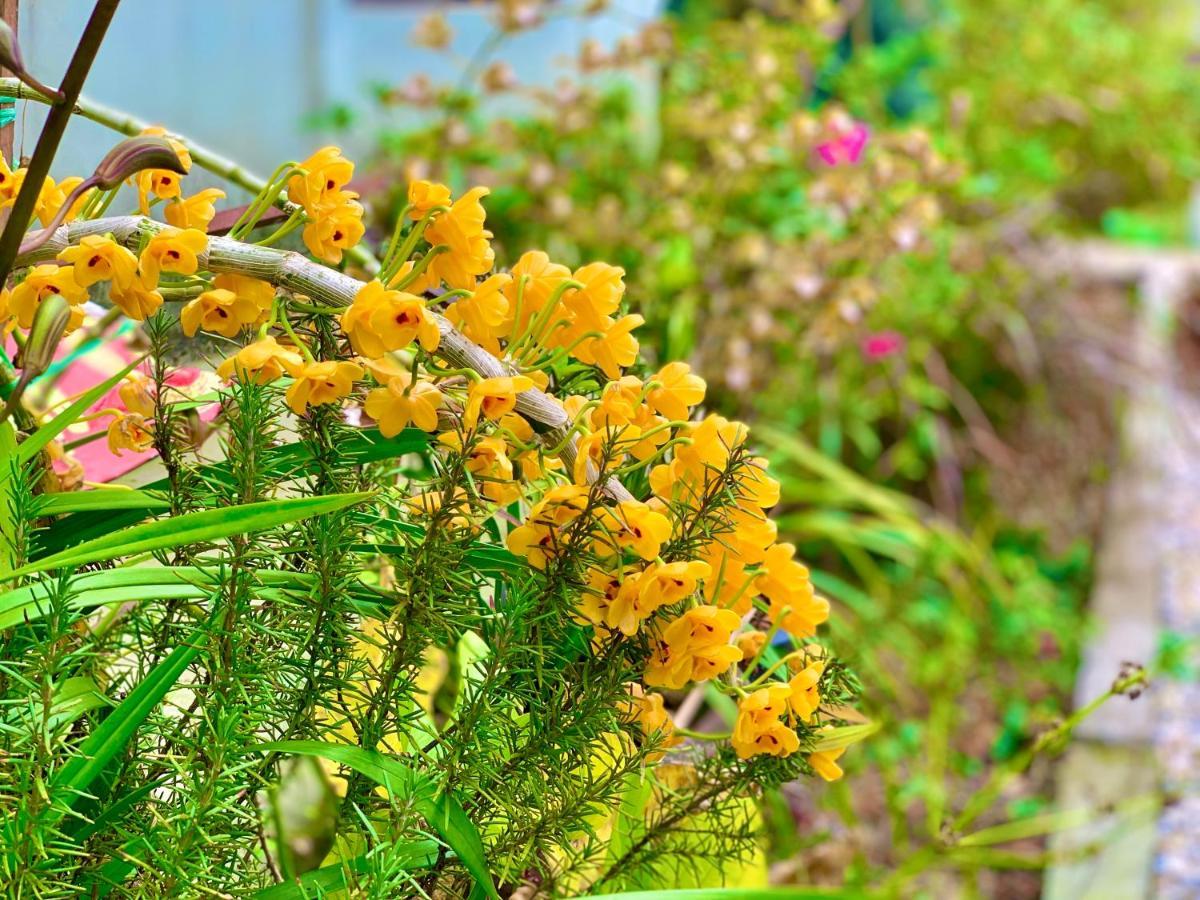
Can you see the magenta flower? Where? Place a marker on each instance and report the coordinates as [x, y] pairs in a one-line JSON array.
[[846, 146], [879, 346]]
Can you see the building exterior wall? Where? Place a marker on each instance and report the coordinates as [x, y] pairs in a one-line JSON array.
[[243, 76]]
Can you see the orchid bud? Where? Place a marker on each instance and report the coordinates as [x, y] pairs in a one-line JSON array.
[[128, 158], [751, 644], [133, 155], [10, 58], [50, 322], [192, 430]]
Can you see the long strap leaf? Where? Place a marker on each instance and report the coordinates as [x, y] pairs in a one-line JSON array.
[[207, 525], [137, 584], [443, 812], [775, 893], [286, 461], [111, 735], [419, 855], [99, 499], [76, 775]]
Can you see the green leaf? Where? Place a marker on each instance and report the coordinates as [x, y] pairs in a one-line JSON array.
[[72, 698], [418, 855], [845, 736], [787, 448], [636, 794], [71, 781], [99, 499], [469, 654], [8, 453], [1140, 805], [487, 558], [103, 880], [191, 528], [444, 814], [280, 463], [87, 590], [114, 811], [854, 598], [111, 735], [36, 442], [292, 460]]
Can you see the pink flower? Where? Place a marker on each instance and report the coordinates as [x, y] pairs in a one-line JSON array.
[[846, 145], [881, 345]]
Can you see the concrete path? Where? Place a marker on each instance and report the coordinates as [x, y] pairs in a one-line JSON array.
[[1136, 764]]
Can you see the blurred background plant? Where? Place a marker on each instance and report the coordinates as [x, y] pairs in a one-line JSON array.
[[827, 211], [1082, 109]]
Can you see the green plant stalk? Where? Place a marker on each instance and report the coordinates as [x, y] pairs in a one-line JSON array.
[[1000, 778], [533, 332], [263, 200], [294, 221], [389, 252], [398, 256], [419, 269]]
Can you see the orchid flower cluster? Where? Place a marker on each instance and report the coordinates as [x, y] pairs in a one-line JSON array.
[[690, 579], [687, 565]]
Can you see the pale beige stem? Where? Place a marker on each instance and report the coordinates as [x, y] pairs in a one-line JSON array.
[[298, 274]]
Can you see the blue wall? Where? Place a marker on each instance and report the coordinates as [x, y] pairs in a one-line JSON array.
[[241, 76]]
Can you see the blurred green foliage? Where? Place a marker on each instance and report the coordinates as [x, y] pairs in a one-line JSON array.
[[1085, 105]]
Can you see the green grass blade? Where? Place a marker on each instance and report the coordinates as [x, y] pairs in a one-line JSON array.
[[103, 880], [776, 893], [294, 459], [444, 814], [287, 461], [72, 698], [89, 758], [88, 590], [197, 527], [845, 736], [99, 499], [490, 559], [420, 855], [114, 811], [8, 465]]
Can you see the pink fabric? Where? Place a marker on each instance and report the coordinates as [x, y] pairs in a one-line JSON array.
[[97, 364]]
